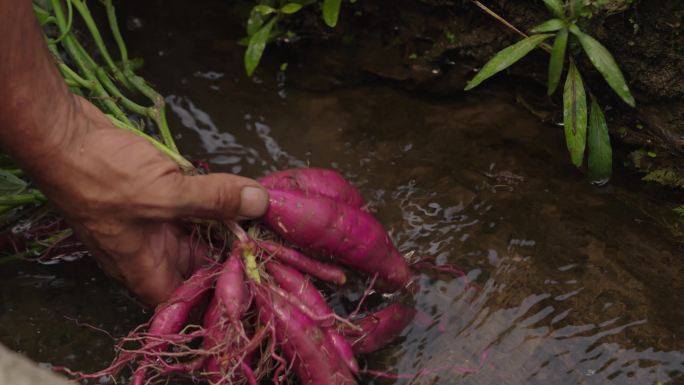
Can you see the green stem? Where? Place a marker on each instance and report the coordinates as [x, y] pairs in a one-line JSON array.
[[95, 79], [127, 103], [114, 26], [70, 19], [85, 64], [159, 114], [183, 163], [99, 42], [22, 199], [70, 74]]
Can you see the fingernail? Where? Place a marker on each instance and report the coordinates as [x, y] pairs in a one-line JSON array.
[[254, 202]]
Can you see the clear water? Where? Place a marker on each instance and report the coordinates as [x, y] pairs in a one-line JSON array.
[[578, 284]]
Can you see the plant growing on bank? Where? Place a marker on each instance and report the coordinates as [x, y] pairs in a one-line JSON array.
[[262, 24], [585, 128]]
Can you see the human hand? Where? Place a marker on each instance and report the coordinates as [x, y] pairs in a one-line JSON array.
[[124, 199]]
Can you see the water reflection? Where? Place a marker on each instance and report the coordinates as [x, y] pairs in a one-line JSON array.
[[541, 309], [546, 298]]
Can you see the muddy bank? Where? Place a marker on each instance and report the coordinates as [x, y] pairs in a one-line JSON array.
[[434, 46]]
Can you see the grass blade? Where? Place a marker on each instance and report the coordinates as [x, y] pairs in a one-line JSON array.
[[606, 65], [600, 159], [552, 25], [505, 58], [557, 60], [331, 12], [575, 115], [256, 46]]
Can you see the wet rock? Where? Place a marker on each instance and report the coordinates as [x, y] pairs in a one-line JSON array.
[[18, 370]]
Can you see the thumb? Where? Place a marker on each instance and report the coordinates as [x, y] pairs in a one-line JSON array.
[[219, 196]]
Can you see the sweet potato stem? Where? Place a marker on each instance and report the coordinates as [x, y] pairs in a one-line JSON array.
[[95, 79]]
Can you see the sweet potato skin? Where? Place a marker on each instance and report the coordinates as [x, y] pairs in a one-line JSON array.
[[316, 360], [380, 328], [331, 228], [231, 289], [170, 317], [224, 314], [303, 289], [315, 181], [301, 262]]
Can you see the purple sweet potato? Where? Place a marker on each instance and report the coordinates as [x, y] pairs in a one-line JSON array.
[[215, 334], [379, 329], [343, 348], [301, 262], [315, 360], [231, 289], [171, 316], [304, 291], [224, 312], [346, 233], [301, 288], [315, 181]]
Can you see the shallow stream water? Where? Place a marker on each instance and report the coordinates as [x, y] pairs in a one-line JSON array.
[[571, 283]]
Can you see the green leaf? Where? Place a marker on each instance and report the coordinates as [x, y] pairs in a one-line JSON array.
[[606, 65], [557, 60], [555, 7], [600, 159], [254, 22], [577, 8], [10, 184], [256, 46], [549, 26], [505, 58], [290, 8], [264, 9], [575, 115], [331, 11]]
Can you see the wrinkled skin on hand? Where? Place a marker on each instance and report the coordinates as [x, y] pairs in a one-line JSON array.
[[124, 200]]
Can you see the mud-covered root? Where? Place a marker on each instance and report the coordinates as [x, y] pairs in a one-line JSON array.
[[312, 357], [315, 182]]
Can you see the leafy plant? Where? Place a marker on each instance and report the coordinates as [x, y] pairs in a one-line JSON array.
[[262, 24], [581, 131]]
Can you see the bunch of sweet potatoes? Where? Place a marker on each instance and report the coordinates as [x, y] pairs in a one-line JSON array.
[[261, 312]]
